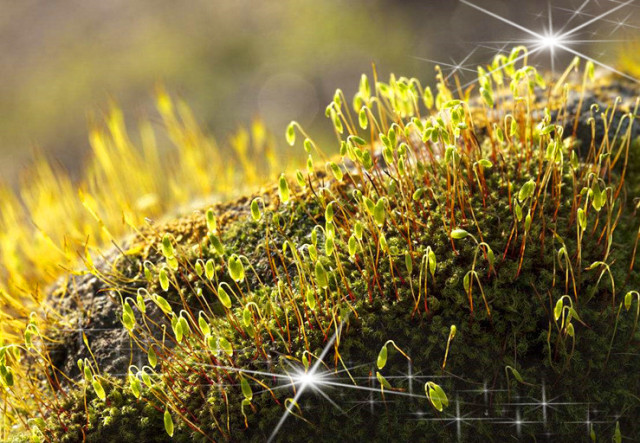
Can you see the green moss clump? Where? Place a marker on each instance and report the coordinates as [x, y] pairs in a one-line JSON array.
[[481, 216]]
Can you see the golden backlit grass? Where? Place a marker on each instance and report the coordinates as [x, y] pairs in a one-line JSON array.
[[51, 221]]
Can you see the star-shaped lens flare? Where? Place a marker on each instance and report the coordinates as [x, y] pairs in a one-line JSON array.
[[309, 379], [554, 40]]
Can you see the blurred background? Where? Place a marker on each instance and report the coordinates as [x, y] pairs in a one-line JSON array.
[[63, 60]]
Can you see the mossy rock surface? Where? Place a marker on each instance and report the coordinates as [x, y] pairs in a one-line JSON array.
[[512, 369]]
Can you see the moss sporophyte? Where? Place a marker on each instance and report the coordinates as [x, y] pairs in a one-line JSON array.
[[461, 260]]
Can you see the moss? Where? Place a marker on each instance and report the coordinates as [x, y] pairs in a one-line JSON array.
[[119, 418], [509, 349]]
